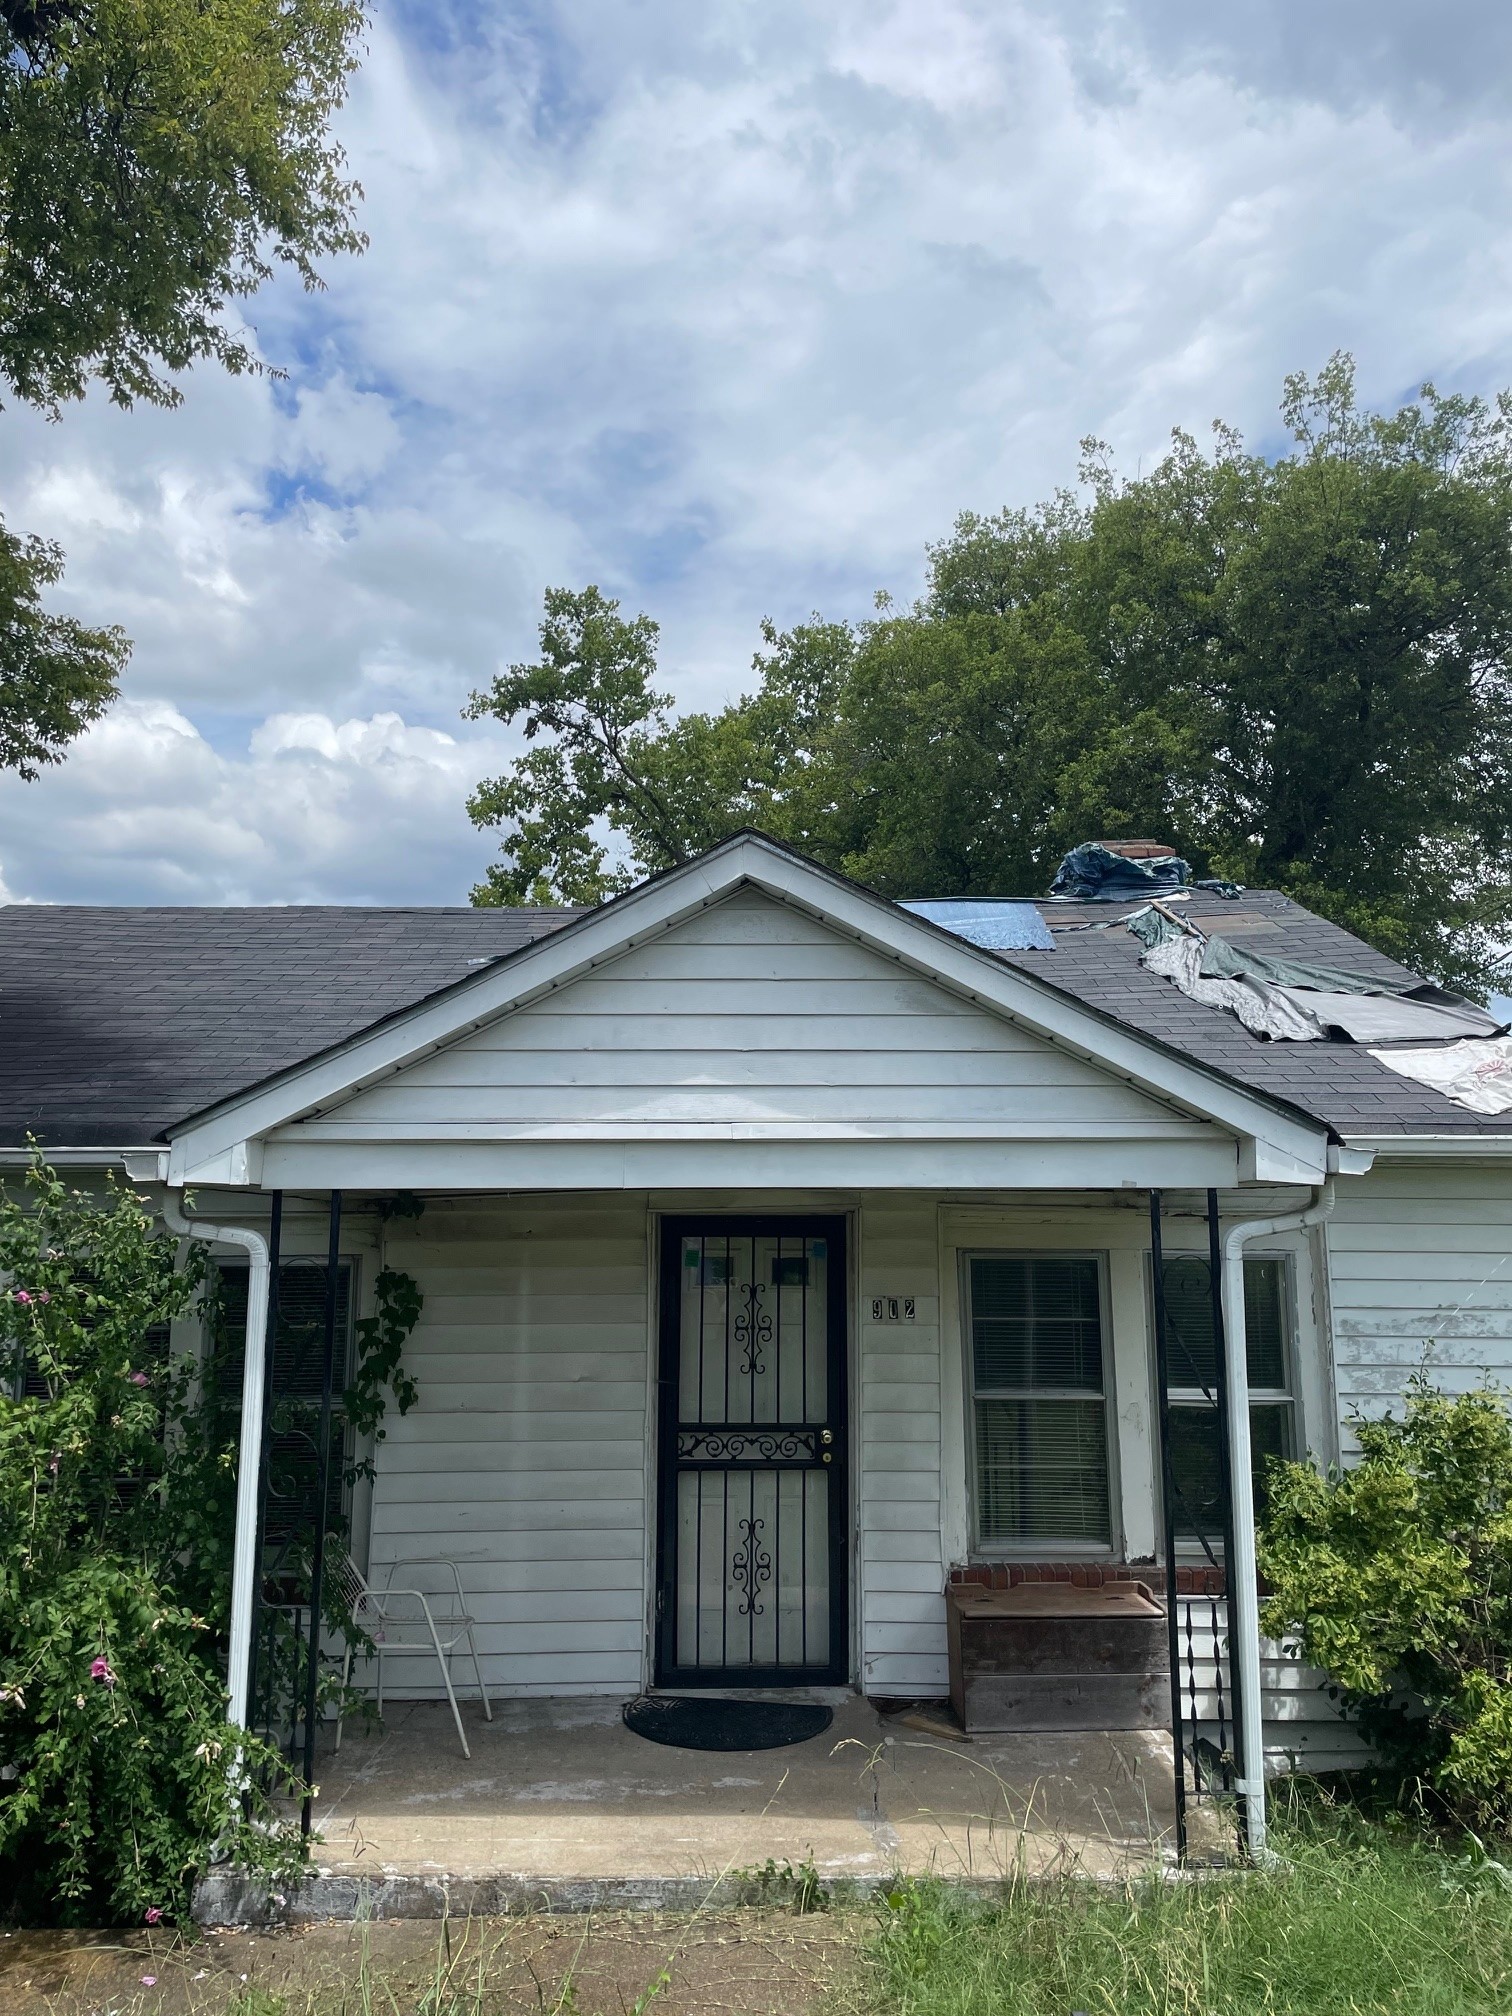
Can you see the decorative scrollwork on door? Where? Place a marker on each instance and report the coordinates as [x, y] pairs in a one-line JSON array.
[[747, 1445], [753, 1328], [751, 1568]]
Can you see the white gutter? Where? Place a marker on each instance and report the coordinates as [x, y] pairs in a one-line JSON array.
[[1243, 1581], [84, 1158], [249, 1460], [1470, 1145]]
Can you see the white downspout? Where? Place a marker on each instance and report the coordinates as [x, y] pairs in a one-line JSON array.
[[249, 1460], [1243, 1581]]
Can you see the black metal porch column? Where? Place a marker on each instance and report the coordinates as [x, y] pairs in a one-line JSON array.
[[317, 1566], [1168, 1504], [275, 1242], [1225, 1486]]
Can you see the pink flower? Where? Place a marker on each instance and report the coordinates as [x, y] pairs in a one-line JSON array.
[[139, 1378], [100, 1670], [154, 1915], [22, 1296], [43, 1296], [149, 1980]]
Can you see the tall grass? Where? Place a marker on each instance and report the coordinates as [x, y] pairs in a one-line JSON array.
[[1357, 1919]]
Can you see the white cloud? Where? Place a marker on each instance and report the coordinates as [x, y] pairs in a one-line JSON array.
[[731, 309], [146, 811]]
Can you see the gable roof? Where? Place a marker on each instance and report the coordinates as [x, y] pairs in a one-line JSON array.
[[224, 1143], [117, 1025]]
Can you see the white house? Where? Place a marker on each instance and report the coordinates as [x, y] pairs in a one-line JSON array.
[[784, 1254]]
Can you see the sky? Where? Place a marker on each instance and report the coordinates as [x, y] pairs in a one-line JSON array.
[[729, 306]]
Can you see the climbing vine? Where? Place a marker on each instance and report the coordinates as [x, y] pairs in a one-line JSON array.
[[379, 1370]]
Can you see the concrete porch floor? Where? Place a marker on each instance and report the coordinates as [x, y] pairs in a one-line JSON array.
[[561, 1805]]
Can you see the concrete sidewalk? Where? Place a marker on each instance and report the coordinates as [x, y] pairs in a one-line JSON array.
[[562, 1806]]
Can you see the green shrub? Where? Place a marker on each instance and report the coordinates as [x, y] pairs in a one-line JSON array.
[[116, 1486], [1395, 1578]]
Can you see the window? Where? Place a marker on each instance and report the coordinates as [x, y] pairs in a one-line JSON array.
[[1193, 1374], [295, 1375], [1035, 1326]]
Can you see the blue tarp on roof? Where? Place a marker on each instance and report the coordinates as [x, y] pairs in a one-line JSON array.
[[995, 923]]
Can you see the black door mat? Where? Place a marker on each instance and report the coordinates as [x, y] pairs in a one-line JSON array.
[[704, 1724]]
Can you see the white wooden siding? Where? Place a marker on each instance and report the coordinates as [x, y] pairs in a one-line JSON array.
[[525, 1458], [1302, 1727], [752, 1015], [1420, 1269], [900, 1565]]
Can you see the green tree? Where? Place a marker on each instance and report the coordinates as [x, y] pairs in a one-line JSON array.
[[158, 159], [1294, 669], [1333, 630], [591, 691], [56, 675]]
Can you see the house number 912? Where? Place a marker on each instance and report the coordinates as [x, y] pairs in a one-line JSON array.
[[892, 1309]]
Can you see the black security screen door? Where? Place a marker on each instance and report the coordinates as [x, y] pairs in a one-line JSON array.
[[751, 1582]]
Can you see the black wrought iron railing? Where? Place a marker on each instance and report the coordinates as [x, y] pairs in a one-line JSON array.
[[1205, 1681]]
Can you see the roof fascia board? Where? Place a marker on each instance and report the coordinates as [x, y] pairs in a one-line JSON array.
[[553, 962], [727, 1166], [1434, 1147]]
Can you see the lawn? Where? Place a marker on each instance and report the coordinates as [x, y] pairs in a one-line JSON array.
[[1358, 1918]]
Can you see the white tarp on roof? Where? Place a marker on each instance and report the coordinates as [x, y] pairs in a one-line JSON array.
[[1477, 1074], [1392, 1018], [1265, 1010], [1294, 1001]]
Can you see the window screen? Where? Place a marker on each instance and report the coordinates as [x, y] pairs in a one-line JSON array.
[[1040, 1420], [1190, 1347]]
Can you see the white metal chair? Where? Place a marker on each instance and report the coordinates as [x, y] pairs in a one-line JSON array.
[[408, 1620]]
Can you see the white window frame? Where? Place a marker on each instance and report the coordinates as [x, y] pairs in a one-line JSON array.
[[1047, 1548]]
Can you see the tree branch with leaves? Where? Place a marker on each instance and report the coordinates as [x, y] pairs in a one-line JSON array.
[[159, 160]]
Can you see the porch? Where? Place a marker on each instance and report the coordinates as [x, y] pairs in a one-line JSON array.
[[779, 1257], [561, 1805]]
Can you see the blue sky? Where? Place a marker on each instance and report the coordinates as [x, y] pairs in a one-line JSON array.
[[729, 307]]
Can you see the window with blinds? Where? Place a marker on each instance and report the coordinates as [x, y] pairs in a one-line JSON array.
[[1035, 1329], [1192, 1357]]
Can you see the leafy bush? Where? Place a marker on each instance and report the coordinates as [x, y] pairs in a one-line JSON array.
[[116, 1487], [1395, 1578]]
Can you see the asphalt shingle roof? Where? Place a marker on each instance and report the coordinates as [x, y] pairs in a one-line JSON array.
[[1337, 1082], [116, 1023]]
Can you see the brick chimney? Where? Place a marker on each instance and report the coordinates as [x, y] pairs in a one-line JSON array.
[[1138, 850]]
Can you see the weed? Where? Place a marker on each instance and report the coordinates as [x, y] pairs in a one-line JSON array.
[[786, 1886], [257, 2002]]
